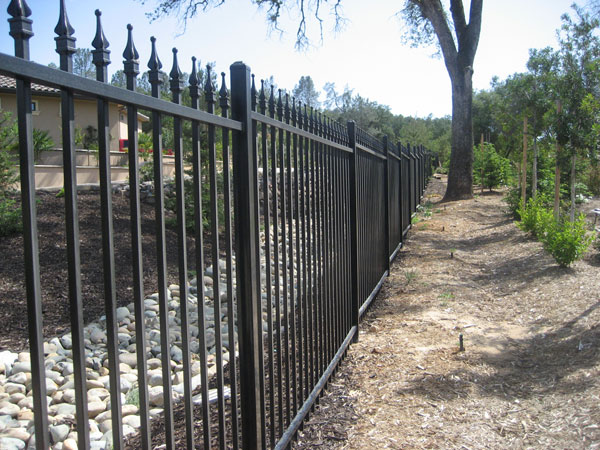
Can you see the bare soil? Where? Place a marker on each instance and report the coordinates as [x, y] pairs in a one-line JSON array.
[[529, 376]]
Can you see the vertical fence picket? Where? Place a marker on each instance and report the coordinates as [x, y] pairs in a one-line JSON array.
[[296, 266], [264, 146], [231, 308], [199, 244], [256, 205], [131, 70], [276, 261], [155, 65], [21, 32], [176, 85], [65, 47], [210, 97], [101, 60]]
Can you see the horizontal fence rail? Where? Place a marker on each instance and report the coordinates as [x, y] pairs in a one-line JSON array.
[[294, 220]]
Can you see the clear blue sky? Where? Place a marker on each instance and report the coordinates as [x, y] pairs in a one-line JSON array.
[[367, 55]]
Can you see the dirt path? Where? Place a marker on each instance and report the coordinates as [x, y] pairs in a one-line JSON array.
[[530, 373]]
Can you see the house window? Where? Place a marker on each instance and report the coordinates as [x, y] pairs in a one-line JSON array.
[[35, 107]]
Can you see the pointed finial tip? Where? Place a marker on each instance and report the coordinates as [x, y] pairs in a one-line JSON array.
[[129, 27], [18, 8]]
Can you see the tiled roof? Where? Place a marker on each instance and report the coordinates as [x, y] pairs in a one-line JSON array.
[[11, 83]]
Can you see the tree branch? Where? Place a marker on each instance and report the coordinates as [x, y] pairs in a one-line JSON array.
[[473, 31], [433, 11], [458, 17]]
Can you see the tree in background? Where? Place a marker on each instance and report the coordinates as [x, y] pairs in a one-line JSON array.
[[578, 79], [306, 93], [564, 138], [428, 22], [541, 65], [83, 64]]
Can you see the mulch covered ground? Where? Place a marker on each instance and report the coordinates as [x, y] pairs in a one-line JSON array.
[[530, 373], [53, 263]]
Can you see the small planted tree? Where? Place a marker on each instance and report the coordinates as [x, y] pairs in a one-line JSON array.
[[491, 170]]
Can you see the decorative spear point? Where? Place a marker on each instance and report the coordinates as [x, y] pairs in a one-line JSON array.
[[18, 8], [193, 80], [63, 27], [154, 63], [100, 42]]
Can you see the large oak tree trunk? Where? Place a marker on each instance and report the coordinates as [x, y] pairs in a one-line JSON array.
[[460, 175], [459, 52]]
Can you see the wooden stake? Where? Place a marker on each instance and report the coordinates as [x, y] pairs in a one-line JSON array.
[[524, 166], [482, 156], [557, 171]]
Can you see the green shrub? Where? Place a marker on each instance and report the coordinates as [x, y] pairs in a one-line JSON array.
[[8, 171], [86, 138], [144, 142], [10, 216], [513, 201], [536, 218], [489, 168], [41, 142], [171, 203], [567, 241]]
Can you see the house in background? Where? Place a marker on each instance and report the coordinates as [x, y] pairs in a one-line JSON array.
[[45, 105], [46, 112]]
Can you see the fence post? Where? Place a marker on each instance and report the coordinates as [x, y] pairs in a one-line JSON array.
[[245, 244], [386, 187], [353, 230]]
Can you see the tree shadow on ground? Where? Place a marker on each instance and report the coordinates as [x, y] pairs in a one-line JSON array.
[[545, 363]]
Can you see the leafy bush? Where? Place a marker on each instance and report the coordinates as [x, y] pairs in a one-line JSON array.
[[489, 168], [144, 141], [9, 133], [567, 241], [8, 172], [171, 203], [10, 216], [86, 138], [536, 218], [513, 200], [41, 142]]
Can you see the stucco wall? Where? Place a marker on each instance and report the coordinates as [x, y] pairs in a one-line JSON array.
[[48, 118]]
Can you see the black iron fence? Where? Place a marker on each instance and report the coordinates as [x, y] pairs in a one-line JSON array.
[[305, 216]]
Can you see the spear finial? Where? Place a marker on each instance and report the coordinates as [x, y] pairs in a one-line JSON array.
[[176, 75], [101, 54], [224, 94], [18, 8], [63, 27]]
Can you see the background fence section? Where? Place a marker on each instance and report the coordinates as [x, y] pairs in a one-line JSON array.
[[295, 219]]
